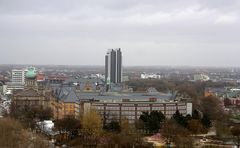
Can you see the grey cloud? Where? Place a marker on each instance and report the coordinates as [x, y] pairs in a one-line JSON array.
[[150, 32]]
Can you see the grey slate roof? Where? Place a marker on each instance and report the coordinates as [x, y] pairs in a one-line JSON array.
[[66, 94], [82, 82], [118, 97], [27, 93]]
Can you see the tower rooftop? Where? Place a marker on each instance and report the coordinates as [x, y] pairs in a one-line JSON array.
[[31, 73]]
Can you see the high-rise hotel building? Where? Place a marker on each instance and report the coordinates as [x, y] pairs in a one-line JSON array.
[[113, 66]]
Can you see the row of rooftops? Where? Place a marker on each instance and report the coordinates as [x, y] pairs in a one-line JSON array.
[[225, 92], [70, 95]]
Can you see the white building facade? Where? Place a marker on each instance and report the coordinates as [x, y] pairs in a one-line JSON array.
[[150, 76], [201, 77], [133, 110], [18, 76]]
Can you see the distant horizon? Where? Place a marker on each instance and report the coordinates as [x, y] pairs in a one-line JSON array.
[[151, 66]]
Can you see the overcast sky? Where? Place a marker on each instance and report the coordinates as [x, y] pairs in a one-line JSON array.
[[150, 32]]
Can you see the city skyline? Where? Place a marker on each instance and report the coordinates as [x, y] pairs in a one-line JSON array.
[[178, 33]]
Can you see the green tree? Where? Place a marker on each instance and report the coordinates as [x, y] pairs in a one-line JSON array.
[[206, 122], [180, 119], [196, 115], [113, 126], [152, 121]]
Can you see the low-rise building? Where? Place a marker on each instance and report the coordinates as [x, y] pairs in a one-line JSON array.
[[114, 105], [231, 98], [31, 95], [56, 78], [65, 103], [132, 110]]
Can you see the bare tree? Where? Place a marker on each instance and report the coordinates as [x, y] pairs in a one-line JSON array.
[[236, 134]]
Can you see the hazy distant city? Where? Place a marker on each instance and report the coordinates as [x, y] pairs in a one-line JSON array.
[[134, 72]]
